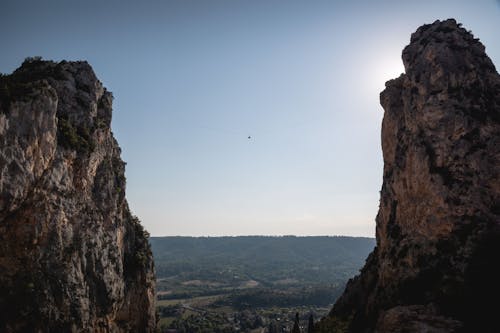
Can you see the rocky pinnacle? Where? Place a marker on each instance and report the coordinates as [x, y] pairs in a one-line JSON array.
[[72, 257], [435, 267]]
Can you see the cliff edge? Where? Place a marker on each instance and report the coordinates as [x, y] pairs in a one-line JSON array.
[[72, 257], [436, 264]]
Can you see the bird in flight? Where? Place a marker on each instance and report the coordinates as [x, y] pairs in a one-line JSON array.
[[249, 137]]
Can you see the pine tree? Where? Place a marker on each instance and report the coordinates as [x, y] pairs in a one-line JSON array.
[[296, 326], [310, 325]]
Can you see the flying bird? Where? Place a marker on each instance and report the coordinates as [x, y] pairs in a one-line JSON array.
[[249, 137]]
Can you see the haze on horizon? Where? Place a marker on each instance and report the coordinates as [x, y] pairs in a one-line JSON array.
[[193, 80]]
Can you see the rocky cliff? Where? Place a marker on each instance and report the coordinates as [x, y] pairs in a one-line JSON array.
[[72, 257], [436, 264]]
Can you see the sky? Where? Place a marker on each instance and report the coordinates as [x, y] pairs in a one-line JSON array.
[[193, 80]]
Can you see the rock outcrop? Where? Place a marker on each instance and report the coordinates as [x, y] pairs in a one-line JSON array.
[[436, 264], [72, 257]]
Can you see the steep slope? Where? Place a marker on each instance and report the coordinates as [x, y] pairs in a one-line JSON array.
[[436, 264], [72, 257]]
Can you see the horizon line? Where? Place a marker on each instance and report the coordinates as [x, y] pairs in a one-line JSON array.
[[256, 235]]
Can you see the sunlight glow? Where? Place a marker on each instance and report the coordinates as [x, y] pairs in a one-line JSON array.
[[385, 68]]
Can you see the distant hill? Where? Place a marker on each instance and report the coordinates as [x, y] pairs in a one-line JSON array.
[[246, 283], [268, 260]]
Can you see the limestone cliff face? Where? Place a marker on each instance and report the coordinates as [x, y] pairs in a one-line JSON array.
[[72, 257], [436, 264]]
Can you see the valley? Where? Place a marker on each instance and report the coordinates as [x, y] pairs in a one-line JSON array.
[[251, 283]]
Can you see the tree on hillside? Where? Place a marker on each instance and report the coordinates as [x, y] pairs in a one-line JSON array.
[[310, 325], [296, 326]]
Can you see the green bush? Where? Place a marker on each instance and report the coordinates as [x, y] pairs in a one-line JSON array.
[[12, 89], [72, 137]]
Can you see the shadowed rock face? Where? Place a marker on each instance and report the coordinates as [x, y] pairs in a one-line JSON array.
[[72, 257], [436, 264]]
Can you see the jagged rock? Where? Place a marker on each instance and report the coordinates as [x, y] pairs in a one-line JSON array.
[[72, 257], [436, 264]]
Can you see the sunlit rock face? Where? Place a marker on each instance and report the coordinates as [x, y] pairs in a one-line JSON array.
[[72, 257], [436, 267]]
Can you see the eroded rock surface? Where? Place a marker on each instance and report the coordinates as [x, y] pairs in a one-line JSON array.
[[72, 257], [436, 264]]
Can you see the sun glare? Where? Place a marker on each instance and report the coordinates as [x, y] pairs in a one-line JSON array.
[[384, 69]]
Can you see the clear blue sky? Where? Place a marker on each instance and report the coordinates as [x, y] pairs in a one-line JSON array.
[[193, 79]]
